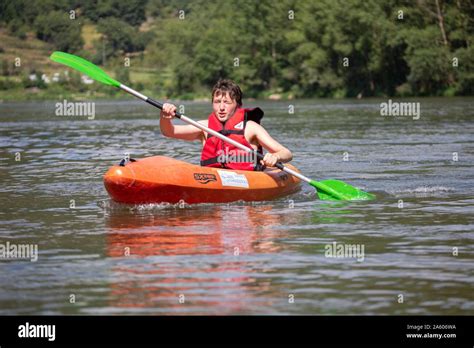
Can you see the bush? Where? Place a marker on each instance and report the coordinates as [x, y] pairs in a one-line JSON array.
[[122, 74], [131, 12], [5, 68], [56, 28], [73, 82], [17, 28], [39, 83], [6, 84], [464, 73], [120, 37], [21, 33]]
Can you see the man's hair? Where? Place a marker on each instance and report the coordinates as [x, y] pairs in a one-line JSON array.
[[223, 86]]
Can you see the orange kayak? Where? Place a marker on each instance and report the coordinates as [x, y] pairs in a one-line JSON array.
[[162, 179]]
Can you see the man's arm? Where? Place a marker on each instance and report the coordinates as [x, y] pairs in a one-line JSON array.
[[277, 152], [168, 129]]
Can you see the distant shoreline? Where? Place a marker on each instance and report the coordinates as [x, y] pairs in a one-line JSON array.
[[45, 95]]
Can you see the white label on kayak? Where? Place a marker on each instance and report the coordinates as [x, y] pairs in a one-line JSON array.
[[233, 179]]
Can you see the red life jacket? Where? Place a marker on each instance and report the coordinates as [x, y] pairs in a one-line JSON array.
[[220, 154]]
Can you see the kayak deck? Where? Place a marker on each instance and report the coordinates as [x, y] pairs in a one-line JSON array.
[[160, 179]]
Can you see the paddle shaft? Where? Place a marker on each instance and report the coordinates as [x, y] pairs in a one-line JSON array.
[[186, 119]]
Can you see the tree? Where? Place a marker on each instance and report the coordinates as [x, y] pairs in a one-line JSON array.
[[131, 12], [120, 37], [57, 28]]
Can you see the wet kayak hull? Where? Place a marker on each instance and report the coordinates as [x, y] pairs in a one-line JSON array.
[[160, 179]]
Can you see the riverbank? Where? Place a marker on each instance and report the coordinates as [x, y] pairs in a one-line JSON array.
[[56, 92]]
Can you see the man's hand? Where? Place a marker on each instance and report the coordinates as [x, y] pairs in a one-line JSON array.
[[168, 111], [270, 159]]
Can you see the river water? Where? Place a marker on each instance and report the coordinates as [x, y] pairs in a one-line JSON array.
[[415, 241]]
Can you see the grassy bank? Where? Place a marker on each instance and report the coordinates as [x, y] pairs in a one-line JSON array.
[[57, 93]]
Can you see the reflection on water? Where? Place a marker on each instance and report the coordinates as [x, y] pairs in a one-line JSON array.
[[334, 212], [179, 232], [224, 281]]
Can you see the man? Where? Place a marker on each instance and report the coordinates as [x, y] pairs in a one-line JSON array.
[[230, 119]]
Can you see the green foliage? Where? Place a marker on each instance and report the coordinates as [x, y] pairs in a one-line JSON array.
[[464, 72], [26, 11], [56, 27], [295, 48], [38, 82], [131, 12], [122, 74], [6, 84], [6, 68], [17, 28], [429, 64], [305, 56], [119, 37], [166, 8]]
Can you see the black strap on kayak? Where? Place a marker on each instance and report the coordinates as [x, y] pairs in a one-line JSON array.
[[124, 161]]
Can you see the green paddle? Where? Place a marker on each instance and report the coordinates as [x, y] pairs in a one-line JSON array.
[[326, 189]]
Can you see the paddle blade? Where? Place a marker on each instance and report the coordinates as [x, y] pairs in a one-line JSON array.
[[85, 67], [335, 190]]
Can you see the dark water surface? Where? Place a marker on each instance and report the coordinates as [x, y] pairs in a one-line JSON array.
[[265, 258]]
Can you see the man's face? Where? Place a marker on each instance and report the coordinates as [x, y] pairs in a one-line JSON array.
[[223, 106]]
